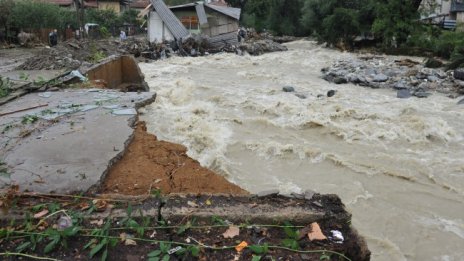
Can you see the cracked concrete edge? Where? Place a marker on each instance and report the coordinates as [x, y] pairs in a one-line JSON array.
[[132, 121]]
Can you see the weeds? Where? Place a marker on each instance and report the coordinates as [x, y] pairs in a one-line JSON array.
[[39, 236], [28, 119], [5, 87], [292, 237]]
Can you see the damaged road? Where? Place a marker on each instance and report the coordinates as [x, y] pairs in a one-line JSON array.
[[67, 144]]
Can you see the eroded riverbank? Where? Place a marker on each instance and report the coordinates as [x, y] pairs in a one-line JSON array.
[[397, 164]]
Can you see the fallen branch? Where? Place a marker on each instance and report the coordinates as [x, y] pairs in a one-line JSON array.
[[25, 109]]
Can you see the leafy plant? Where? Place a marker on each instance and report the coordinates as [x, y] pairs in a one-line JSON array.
[[101, 241], [160, 254], [259, 249], [218, 221], [5, 86], [29, 119], [24, 76], [292, 237]]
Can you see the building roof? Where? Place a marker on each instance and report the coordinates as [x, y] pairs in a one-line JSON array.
[[139, 4], [174, 25], [201, 13], [229, 11]]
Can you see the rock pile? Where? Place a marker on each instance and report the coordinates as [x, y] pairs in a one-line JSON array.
[[408, 77]]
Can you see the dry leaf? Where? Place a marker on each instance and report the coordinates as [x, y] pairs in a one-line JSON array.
[[208, 202], [100, 204], [316, 232], [130, 242], [157, 181], [41, 213], [231, 232], [241, 246], [97, 222], [126, 238], [84, 206]]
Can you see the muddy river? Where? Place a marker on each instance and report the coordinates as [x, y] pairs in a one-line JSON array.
[[397, 164]]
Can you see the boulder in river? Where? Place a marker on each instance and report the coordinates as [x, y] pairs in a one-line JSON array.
[[288, 89], [403, 94]]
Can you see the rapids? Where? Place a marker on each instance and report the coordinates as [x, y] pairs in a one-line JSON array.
[[397, 164]]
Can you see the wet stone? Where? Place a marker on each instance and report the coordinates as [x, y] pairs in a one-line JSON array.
[[339, 80], [380, 78], [422, 94], [403, 94], [288, 89]]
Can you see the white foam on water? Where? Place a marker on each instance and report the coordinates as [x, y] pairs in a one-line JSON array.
[[390, 160]]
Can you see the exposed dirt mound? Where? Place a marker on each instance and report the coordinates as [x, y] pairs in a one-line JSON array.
[[149, 164]]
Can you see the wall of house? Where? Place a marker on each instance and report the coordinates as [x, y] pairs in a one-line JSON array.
[[460, 17], [110, 5], [157, 30], [187, 13], [219, 24]]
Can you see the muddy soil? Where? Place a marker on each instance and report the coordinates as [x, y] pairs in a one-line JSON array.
[[134, 236], [149, 165]]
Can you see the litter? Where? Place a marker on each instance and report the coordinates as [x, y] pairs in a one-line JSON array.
[[337, 236], [78, 74]]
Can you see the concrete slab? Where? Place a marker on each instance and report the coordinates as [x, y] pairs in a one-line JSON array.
[[32, 75], [67, 143]]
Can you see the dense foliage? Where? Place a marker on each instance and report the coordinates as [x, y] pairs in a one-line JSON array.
[[28, 14]]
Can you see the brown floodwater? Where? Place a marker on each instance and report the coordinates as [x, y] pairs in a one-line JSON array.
[[398, 164]]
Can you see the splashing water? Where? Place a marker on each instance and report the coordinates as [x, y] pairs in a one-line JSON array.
[[398, 164]]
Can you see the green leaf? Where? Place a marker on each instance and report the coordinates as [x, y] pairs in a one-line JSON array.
[[71, 231], [183, 228], [98, 247], [154, 253], [256, 258], [132, 223], [23, 246], [104, 255], [164, 247], [113, 242], [195, 251], [290, 243], [154, 258], [50, 246], [92, 241], [166, 258], [258, 249]]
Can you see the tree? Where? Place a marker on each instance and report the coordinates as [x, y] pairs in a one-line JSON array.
[[342, 25], [395, 27], [5, 15]]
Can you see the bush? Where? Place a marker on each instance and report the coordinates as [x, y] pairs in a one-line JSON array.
[[342, 26]]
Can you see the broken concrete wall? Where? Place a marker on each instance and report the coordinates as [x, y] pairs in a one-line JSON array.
[[120, 72]]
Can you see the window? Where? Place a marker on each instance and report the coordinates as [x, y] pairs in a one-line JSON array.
[[190, 22]]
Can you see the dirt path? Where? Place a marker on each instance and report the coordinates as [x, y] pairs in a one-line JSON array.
[[150, 164]]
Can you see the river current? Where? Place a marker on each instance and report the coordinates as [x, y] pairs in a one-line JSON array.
[[397, 164]]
